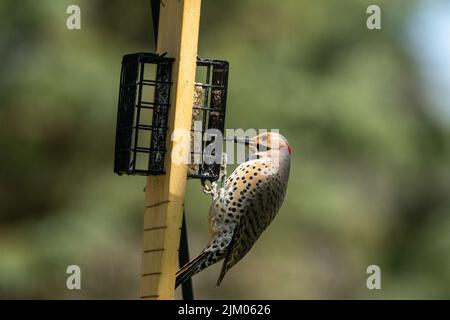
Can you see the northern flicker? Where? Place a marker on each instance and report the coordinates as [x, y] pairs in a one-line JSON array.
[[247, 203]]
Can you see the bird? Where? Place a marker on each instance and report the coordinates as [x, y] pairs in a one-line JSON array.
[[247, 203]]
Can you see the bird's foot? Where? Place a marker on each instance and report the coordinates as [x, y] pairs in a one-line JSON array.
[[215, 187], [212, 190]]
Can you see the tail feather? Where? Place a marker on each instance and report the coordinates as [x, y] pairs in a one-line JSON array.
[[190, 268], [222, 274]]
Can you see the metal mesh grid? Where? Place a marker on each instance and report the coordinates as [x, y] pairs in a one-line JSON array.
[[209, 110], [143, 107]]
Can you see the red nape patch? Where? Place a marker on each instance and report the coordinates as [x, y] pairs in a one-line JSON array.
[[289, 148]]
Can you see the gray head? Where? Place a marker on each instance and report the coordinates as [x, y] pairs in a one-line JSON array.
[[265, 141], [268, 144]]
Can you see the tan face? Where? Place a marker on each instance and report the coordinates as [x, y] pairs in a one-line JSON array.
[[270, 141]]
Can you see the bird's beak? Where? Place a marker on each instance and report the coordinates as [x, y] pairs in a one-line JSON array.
[[241, 140]]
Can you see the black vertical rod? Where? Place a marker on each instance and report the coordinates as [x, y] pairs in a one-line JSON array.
[[183, 257], [155, 16]]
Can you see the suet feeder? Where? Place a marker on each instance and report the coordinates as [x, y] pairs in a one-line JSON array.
[[208, 118], [142, 114], [143, 108]]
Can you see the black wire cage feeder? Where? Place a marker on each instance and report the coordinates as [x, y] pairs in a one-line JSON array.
[[143, 111]]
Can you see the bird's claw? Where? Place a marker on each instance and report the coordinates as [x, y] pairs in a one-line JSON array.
[[206, 188], [213, 190]]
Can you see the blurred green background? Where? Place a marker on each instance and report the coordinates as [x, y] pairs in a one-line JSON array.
[[366, 112]]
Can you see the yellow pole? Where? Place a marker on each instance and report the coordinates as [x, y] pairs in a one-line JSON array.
[[164, 198]]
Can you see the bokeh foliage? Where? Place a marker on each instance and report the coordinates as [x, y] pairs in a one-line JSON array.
[[370, 169]]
